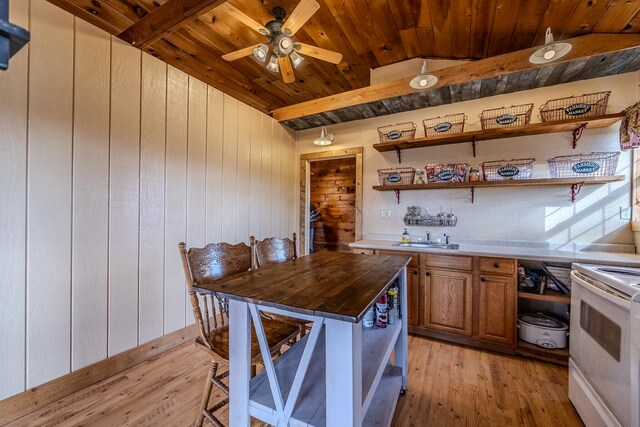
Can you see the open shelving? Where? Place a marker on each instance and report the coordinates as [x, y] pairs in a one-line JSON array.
[[549, 296], [576, 126], [574, 183]]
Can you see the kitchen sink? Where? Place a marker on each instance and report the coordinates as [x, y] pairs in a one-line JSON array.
[[428, 245]]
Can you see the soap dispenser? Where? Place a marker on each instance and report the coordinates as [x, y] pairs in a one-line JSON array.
[[405, 236]]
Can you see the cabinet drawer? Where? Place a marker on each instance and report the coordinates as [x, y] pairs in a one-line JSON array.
[[497, 265], [362, 251], [414, 256], [449, 261]]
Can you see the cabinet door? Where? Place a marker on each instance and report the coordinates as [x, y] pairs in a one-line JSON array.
[[448, 301], [497, 309], [413, 283]]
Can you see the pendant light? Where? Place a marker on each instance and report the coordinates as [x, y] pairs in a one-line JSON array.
[[551, 51], [325, 138], [423, 80]]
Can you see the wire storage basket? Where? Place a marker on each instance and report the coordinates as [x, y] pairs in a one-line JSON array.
[[503, 170], [397, 132], [442, 125], [587, 105], [579, 165], [396, 176], [516, 115], [452, 172]]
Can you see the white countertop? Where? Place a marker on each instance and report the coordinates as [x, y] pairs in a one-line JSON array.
[[518, 252]]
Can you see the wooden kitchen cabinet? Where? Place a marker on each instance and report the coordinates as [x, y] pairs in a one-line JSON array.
[[448, 301], [413, 296], [497, 308]]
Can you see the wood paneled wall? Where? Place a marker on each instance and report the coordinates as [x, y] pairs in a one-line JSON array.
[[332, 190], [108, 159]]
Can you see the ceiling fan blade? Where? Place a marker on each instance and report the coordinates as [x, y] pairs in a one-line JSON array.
[[232, 56], [318, 52], [301, 14], [286, 69], [240, 16]]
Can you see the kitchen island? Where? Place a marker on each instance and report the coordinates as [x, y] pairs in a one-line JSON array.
[[338, 374]]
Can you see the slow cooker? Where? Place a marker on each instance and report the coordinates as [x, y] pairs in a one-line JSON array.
[[542, 330]]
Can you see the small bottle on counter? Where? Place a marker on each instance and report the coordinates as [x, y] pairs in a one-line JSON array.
[[405, 236], [367, 322], [474, 174]]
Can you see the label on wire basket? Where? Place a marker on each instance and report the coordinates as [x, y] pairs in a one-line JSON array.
[[507, 171], [394, 177], [577, 109], [506, 119], [394, 134], [445, 175], [585, 167], [442, 127]]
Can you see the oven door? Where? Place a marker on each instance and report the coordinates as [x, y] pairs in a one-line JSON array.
[[600, 341]]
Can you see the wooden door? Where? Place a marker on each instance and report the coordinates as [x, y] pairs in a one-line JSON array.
[[497, 309], [332, 191], [448, 301], [413, 283]]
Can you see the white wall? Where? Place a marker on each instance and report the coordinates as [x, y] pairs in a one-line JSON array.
[[541, 214], [108, 159]]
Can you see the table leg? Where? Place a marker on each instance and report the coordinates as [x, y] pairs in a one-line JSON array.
[[239, 363], [401, 349], [344, 373]]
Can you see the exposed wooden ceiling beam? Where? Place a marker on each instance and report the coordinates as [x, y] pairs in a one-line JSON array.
[[583, 47], [166, 18]]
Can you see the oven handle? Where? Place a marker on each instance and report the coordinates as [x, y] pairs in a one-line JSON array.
[[598, 291]]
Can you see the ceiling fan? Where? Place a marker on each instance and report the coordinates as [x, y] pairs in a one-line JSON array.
[[285, 48]]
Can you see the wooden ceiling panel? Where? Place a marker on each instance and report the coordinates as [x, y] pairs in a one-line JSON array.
[[193, 35]]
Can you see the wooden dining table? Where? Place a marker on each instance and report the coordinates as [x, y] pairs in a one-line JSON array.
[[340, 373]]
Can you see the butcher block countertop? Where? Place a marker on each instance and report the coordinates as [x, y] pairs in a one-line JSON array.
[[334, 285], [517, 252]]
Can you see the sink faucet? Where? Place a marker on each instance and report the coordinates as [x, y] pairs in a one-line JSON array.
[[446, 238]]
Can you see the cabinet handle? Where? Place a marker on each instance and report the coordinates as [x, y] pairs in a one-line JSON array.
[[415, 272], [482, 279], [427, 274], [496, 265]]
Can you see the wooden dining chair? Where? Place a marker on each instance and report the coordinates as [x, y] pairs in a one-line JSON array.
[[271, 251], [211, 312]]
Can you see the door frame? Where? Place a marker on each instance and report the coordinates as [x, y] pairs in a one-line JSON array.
[[305, 173]]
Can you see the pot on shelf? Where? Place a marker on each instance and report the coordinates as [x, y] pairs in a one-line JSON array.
[[542, 330]]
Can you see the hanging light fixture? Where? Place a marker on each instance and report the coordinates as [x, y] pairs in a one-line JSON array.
[[551, 51], [296, 59], [260, 52], [273, 64], [423, 80], [325, 138]]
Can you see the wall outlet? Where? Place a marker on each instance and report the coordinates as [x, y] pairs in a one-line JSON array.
[[625, 212], [385, 213]]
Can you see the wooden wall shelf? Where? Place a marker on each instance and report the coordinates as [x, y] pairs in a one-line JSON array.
[[574, 125], [575, 183], [549, 296]]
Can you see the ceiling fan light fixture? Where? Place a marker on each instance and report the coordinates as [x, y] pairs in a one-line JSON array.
[[423, 80], [551, 51], [261, 52], [296, 59], [284, 43], [273, 64], [325, 138]]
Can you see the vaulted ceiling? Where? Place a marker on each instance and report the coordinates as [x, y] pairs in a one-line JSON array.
[[192, 35]]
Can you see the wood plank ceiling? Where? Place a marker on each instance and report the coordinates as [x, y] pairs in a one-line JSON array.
[[192, 35]]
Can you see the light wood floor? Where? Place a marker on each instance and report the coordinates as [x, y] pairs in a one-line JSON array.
[[448, 385]]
